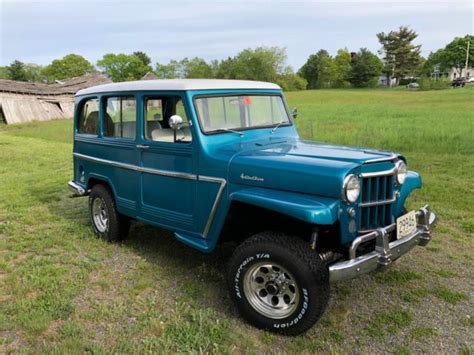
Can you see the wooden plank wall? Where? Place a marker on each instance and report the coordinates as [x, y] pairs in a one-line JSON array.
[[19, 108]]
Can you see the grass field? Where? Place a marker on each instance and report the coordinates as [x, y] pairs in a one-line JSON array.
[[64, 291]]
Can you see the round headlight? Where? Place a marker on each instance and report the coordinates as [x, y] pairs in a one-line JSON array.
[[401, 171], [351, 188]]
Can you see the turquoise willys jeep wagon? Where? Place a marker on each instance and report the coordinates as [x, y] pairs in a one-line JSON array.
[[214, 160]]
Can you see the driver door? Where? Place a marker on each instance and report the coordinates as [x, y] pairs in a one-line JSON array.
[[168, 168]]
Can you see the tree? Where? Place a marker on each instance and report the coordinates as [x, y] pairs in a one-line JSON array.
[[167, 71], [225, 69], [342, 69], [451, 56], [401, 56], [366, 67], [123, 67], [70, 66], [262, 63], [435, 61], [197, 68], [454, 54], [16, 71], [146, 60], [34, 72], [3, 73], [289, 81], [318, 70], [194, 68]]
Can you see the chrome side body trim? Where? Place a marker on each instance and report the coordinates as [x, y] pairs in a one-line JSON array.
[[222, 182], [137, 168], [385, 252]]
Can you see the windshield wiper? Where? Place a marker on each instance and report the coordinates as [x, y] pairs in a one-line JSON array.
[[227, 130], [277, 126]]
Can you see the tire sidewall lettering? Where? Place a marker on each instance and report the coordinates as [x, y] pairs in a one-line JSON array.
[[297, 318], [241, 267]]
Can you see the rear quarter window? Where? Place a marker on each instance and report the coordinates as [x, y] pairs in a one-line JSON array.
[[88, 121]]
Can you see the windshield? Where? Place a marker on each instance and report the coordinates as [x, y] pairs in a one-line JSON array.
[[221, 113]]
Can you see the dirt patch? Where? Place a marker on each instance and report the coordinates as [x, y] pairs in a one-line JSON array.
[[11, 342]]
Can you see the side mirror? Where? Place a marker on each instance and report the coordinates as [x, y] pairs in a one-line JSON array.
[[294, 113], [175, 122]]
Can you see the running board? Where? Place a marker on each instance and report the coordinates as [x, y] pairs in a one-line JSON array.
[[200, 244]]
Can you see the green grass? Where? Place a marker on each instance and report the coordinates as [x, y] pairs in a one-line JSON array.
[[388, 322], [449, 295], [64, 291]]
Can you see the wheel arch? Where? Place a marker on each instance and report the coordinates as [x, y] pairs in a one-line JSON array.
[[307, 208], [95, 179], [259, 218]]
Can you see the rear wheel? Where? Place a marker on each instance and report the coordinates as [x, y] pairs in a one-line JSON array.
[[107, 223], [278, 283]]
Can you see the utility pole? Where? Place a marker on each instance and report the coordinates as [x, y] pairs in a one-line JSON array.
[[467, 58]]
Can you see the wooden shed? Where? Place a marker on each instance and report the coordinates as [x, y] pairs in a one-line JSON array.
[[26, 101]]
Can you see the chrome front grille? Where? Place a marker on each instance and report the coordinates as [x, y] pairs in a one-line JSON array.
[[377, 198]]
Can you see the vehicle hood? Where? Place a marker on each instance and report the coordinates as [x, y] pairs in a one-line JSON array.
[[300, 166]]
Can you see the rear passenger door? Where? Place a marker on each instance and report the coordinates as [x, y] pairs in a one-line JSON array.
[[168, 168], [118, 146]]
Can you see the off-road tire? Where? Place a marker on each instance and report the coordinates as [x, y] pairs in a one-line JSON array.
[[118, 225], [310, 273]]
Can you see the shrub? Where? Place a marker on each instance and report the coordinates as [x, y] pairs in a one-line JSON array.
[[430, 84], [291, 82]]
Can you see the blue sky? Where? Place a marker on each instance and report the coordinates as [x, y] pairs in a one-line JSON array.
[[40, 31]]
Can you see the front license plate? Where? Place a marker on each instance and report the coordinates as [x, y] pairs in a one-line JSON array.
[[406, 224]]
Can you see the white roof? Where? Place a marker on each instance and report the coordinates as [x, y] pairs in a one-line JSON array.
[[178, 84]]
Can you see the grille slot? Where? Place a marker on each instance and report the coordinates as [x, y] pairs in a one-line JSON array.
[[377, 198]]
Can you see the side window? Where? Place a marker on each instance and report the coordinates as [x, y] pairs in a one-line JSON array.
[[88, 121], [158, 110], [120, 117]]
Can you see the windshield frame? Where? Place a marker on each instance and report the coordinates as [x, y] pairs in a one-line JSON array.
[[241, 93]]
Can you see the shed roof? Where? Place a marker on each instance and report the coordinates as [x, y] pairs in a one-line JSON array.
[[179, 84], [67, 87]]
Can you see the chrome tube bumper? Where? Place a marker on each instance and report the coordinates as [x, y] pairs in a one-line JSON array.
[[77, 190], [385, 252]]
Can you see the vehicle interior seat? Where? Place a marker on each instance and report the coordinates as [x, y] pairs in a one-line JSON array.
[[109, 126], [91, 123]]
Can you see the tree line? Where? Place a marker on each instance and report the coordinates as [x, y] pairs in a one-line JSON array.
[[400, 59]]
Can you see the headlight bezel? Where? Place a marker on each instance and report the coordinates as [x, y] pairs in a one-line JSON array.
[[349, 180], [401, 171]]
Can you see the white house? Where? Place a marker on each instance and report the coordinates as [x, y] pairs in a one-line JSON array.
[[452, 73]]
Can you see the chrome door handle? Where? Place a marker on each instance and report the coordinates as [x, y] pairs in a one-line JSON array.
[[142, 146]]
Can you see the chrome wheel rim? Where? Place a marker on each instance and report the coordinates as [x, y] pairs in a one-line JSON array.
[[100, 215], [271, 290]]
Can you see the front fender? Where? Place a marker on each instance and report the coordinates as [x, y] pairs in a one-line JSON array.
[[412, 182], [311, 209]]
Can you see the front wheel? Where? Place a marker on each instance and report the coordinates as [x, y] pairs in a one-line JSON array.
[[278, 283]]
